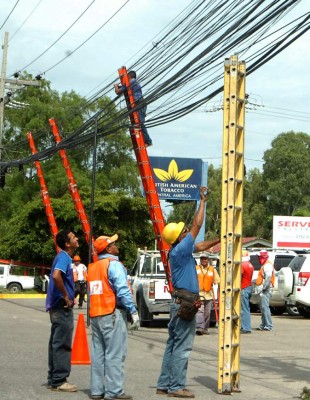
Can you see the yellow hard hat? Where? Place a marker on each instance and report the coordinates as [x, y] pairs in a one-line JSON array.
[[172, 231]]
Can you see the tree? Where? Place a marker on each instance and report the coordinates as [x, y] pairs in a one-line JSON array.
[[286, 173], [119, 206], [256, 218]]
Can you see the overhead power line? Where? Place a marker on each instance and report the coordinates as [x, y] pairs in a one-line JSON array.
[[183, 70], [26, 19], [9, 15], [61, 36]]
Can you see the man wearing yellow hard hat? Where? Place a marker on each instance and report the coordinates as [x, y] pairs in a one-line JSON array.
[[182, 325]]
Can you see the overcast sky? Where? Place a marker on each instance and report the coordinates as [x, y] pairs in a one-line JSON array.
[[280, 88]]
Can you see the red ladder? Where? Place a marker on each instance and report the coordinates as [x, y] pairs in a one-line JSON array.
[[44, 193], [73, 189], [146, 173]]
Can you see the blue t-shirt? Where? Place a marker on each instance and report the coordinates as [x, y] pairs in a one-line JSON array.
[[136, 89], [63, 262], [117, 276], [183, 266]]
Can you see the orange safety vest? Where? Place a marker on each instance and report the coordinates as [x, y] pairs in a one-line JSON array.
[[75, 274], [205, 280], [102, 296], [261, 275]]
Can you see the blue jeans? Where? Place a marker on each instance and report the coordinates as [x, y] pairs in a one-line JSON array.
[[142, 114], [108, 353], [204, 314], [179, 345], [265, 310], [59, 347], [246, 294]]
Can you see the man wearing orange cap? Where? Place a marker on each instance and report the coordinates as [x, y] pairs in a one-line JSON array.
[[247, 270], [265, 281], [80, 276], [110, 300]]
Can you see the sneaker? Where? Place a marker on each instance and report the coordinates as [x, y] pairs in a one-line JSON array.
[[96, 396], [205, 332], [182, 393], [260, 328], [122, 396], [161, 391], [245, 331], [66, 387], [199, 332]]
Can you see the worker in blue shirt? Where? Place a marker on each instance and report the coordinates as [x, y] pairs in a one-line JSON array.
[[137, 94], [172, 379], [59, 304]]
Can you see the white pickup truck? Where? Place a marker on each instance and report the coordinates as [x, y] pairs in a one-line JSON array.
[[150, 289], [14, 283], [149, 286]]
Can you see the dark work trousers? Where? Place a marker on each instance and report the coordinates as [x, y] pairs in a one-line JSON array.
[[80, 289], [59, 348], [142, 113]]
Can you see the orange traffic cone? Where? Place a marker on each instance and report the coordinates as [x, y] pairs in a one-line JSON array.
[[80, 351]]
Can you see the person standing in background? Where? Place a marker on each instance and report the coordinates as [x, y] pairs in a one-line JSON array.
[[207, 277], [265, 282], [80, 278], [247, 270]]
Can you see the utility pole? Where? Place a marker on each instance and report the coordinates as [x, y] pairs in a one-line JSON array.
[[11, 84], [2, 86]]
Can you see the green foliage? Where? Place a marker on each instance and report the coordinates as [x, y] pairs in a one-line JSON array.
[[287, 173], [24, 230], [280, 189]]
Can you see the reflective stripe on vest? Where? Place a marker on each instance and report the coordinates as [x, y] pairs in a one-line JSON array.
[[205, 280], [102, 297], [260, 276]]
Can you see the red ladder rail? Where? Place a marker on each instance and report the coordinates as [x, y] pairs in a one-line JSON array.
[[146, 174], [74, 190], [44, 193]]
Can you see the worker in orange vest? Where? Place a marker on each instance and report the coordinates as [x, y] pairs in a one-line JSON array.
[[110, 300], [265, 282], [80, 278], [207, 276]]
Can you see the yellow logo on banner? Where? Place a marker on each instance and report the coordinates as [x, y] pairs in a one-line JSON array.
[[173, 173]]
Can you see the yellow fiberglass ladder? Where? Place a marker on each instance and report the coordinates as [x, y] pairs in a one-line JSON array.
[[231, 226]]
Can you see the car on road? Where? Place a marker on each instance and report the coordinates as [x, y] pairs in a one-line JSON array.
[[294, 284], [280, 258]]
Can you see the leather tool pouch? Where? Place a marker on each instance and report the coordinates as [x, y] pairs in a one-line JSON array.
[[189, 303]]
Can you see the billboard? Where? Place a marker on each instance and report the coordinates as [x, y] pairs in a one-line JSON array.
[[291, 232], [177, 178]]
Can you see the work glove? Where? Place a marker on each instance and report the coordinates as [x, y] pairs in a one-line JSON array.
[[135, 322]]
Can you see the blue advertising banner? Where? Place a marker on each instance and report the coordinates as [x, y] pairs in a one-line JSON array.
[[177, 178]]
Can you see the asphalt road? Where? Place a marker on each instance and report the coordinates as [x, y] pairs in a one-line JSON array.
[[274, 365]]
